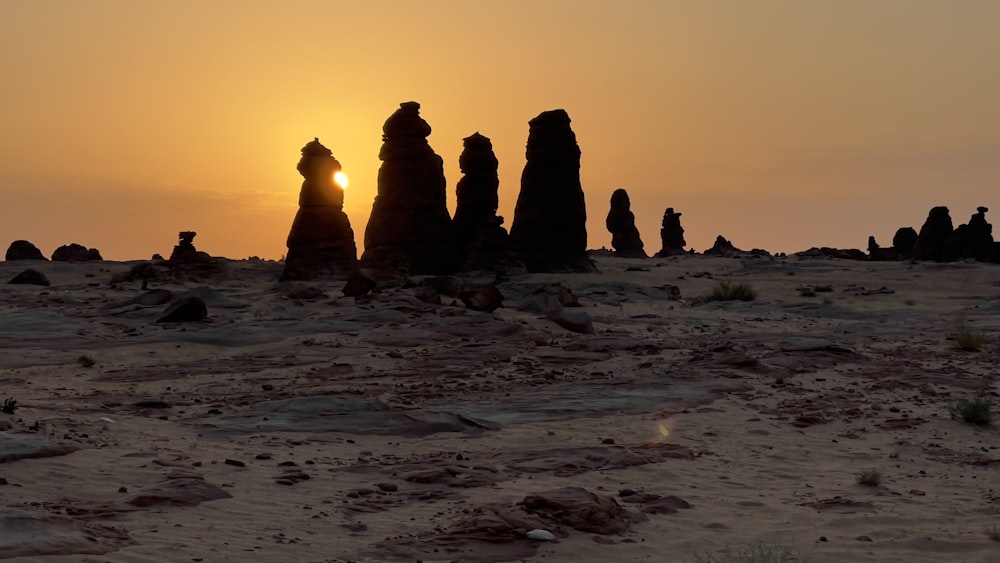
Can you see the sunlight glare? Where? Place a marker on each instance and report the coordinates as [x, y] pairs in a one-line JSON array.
[[341, 179]]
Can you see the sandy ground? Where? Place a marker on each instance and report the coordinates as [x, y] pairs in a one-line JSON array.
[[302, 425]]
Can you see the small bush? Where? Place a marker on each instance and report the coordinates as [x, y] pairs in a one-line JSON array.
[[973, 411], [823, 288], [9, 406], [728, 291], [806, 292], [967, 339], [86, 361], [760, 553], [869, 478]]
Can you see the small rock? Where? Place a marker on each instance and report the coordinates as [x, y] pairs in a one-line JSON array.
[[387, 487], [822, 538], [626, 492], [540, 535], [235, 462], [864, 538]]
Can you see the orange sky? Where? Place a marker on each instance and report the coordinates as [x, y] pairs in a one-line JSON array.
[[778, 124]]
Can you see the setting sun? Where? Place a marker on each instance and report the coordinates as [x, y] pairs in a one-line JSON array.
[[341, 179]]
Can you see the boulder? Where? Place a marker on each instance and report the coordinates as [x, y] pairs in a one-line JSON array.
[[620, 222], [23, 250], [409, 225], [75, 253], [185, 310], [549, 231], [30, 277], [321, 240]]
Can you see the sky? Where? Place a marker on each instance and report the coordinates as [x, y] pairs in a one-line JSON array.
[[779, 124]]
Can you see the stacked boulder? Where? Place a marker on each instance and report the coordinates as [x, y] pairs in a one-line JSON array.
[[672, 234], [321, 241], [549, 231]]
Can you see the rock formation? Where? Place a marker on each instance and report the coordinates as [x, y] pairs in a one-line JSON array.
[[972, 240], [75, 253], [477, 199], [903, 241], [549, 231], [321, 241], [930, 243], [23, 250], [878, 254], [672, 234], [185, 252], [620, 222], [482, 241], [30, 277], [409, 227]]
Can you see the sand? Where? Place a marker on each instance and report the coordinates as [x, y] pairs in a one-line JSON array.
[[297, 424]]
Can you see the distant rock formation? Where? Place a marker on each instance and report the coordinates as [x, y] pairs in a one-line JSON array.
[[972, 240], [409, 227], [903, 241], [321, 241], [933, 234], [185, 252], [187, 261], [724, 248], [620, 222], [23, 250], [829, 252], [878, 254], [672, 234], [75, 253], [549, 231]]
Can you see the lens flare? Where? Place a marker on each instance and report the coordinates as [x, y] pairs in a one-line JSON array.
[[340, 178]]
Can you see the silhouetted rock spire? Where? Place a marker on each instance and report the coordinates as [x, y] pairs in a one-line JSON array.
[[620, 222], [549, 231], [672, 234], [321, 241], [409, 228]]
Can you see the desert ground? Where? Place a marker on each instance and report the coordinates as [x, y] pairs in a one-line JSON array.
[[296, 424]]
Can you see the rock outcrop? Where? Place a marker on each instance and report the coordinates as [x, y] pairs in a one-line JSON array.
[[878, 254], [409, 228], [973, 239], [620, 222], [321, 240], [549, 231], [903, 241], [75, 253], [672, 234], [23, 250], [477, 199], [30, 277], [483, 243], [930, 243]]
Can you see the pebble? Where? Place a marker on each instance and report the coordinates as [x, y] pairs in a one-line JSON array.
[[540, 535], [864, 538]]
